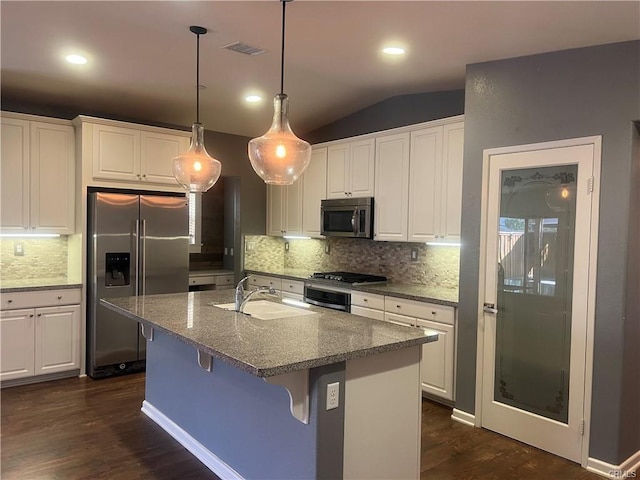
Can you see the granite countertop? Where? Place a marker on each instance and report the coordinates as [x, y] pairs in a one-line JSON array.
[[266, 347], [421, 293], [33, 284]]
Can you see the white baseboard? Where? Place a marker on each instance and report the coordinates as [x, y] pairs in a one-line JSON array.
[[624, 470], [210, 460], [463, 417]]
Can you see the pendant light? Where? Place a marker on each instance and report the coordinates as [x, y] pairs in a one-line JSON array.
[[196, 170], [279, 157]]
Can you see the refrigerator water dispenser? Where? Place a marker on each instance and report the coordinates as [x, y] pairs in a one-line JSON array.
[[117, 268]]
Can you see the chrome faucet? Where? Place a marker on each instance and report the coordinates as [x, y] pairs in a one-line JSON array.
[[241, 299]]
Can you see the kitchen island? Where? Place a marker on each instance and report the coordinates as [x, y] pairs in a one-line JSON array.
[[313, 394]]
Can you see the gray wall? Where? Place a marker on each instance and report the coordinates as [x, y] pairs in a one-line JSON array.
[[572, 93], [391, 113]]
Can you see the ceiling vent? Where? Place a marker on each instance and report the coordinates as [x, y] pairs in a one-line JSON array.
[[244, 48]]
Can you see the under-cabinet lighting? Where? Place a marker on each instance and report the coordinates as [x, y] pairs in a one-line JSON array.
[[253, 98], [29, 235], [444, 244], [393, 50], [76, 59], [295, 303], [297, 237]]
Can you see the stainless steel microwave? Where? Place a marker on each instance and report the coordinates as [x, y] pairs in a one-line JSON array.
[[347, 217]]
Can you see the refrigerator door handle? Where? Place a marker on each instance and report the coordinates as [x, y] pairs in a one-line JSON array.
[[136, 244], [143, 254]]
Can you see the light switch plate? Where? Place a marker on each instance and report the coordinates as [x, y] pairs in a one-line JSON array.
[[414, 254]]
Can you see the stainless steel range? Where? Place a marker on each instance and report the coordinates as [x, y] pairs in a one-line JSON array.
[[332, 289]]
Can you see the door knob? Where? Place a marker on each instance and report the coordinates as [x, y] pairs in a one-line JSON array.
[[490, 308]]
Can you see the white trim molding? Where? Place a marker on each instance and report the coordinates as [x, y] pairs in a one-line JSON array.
[[209, 459], [463, 417], [630, 468]]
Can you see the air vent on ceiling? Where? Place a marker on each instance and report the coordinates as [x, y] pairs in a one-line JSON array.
[[245, 48]]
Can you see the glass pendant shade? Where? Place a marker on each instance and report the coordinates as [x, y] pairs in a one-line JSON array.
[[195, 169], [279, 157]]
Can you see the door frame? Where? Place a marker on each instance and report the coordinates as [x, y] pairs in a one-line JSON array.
[[596, 141]]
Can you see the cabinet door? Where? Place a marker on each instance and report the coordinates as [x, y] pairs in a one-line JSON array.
[[436, 370], [338, 166], [314, 189], [57, 339], [392, 187], [157, 153], [424, 184], [14, 175], [116, 153], [293, 208], [275, 210], [53, 178], [362, 172], [452, 160], [16, 339]]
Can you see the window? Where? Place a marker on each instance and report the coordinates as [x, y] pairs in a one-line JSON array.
[[195, 222]]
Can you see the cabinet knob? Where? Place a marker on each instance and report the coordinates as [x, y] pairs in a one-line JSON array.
[[59, 297], [9, 301], [365, 300], [31, 316], [39, 314], [398, 306], [433, 313], [144, 175]]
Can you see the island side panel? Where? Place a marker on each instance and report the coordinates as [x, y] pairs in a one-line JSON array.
[[383, 413], [238, 417]]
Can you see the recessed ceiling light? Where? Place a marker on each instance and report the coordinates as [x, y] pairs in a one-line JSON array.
[[76, 59], [253, 98], [393, 50]]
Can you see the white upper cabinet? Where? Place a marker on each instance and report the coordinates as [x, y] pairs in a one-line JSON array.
[[350, 169], [116, 153], [284, 209], [38, 175], [435, 190], [453, 159], [391, 187], [156, 156], [424, 186], [119, 154], [314, 189]]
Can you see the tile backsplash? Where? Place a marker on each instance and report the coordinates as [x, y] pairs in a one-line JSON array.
[[435, 266], [41, 258]]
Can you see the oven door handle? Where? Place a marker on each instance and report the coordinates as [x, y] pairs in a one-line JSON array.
[[335, 306], [354, 225]]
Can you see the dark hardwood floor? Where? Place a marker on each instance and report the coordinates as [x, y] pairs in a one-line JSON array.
[[85, 429]]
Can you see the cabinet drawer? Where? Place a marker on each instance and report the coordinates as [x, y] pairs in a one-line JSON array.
[[367, 300], [292, 286], [202, 280], [224, 280], [427, 311], [42, 298], [399, 319], [367, 312], [265, 281]]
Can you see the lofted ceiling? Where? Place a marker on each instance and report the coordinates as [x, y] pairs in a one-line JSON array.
[[142, 54]]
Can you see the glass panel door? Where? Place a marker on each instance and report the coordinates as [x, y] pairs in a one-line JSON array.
[[536, 235]]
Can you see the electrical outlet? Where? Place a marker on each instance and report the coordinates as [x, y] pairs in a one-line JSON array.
[[18, 249], [249, 246], [414, 254], [327, 250], [333, 395], [286, 246]]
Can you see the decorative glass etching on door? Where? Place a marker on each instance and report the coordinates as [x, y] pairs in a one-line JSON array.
[[535, 276]]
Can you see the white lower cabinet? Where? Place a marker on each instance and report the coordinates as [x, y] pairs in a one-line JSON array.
[[17, 331], [57, 339], [40, 340], [437, 359]]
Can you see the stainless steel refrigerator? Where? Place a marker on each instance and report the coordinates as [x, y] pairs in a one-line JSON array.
[[138, 244]]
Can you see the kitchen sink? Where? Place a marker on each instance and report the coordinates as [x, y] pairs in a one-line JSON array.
[[265, 310]]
